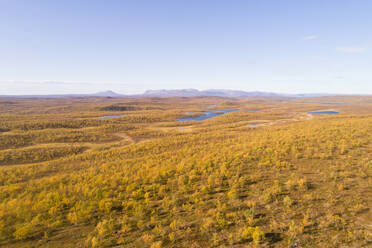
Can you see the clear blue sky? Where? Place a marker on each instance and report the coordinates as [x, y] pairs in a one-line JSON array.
[[82, 46]]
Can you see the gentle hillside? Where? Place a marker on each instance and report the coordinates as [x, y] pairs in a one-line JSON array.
[[273, 177]]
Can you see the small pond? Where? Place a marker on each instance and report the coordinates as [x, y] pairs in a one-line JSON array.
[[212, 105], [208, 115], [329, 103], [324, 113], [110, 116], [254, 125]]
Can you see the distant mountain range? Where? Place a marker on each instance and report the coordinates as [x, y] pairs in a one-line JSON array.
[[177, 93], [108, 93], [212, 92], [222, 93]]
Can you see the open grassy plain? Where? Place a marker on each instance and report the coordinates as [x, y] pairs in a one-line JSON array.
[[277, 177]]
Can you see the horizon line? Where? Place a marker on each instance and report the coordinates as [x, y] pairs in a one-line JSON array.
[[182, 89]]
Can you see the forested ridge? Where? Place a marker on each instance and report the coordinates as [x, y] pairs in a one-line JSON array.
[[70, 179]]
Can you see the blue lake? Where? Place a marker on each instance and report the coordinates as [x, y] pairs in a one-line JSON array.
[[324, 113], [212, 105], [110, 116], [330, 103], [254, 125], [208, 115]]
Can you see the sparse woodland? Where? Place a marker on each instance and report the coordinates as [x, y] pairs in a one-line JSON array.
[[69, 179]]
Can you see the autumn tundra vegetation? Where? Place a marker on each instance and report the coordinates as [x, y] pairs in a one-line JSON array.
[[275, 177]]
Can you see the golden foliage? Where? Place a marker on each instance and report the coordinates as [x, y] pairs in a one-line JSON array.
[[68, 178]]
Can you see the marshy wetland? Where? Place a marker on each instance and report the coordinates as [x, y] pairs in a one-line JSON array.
[[117, 172]]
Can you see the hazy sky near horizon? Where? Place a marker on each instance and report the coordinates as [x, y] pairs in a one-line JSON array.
[[85, 46]]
